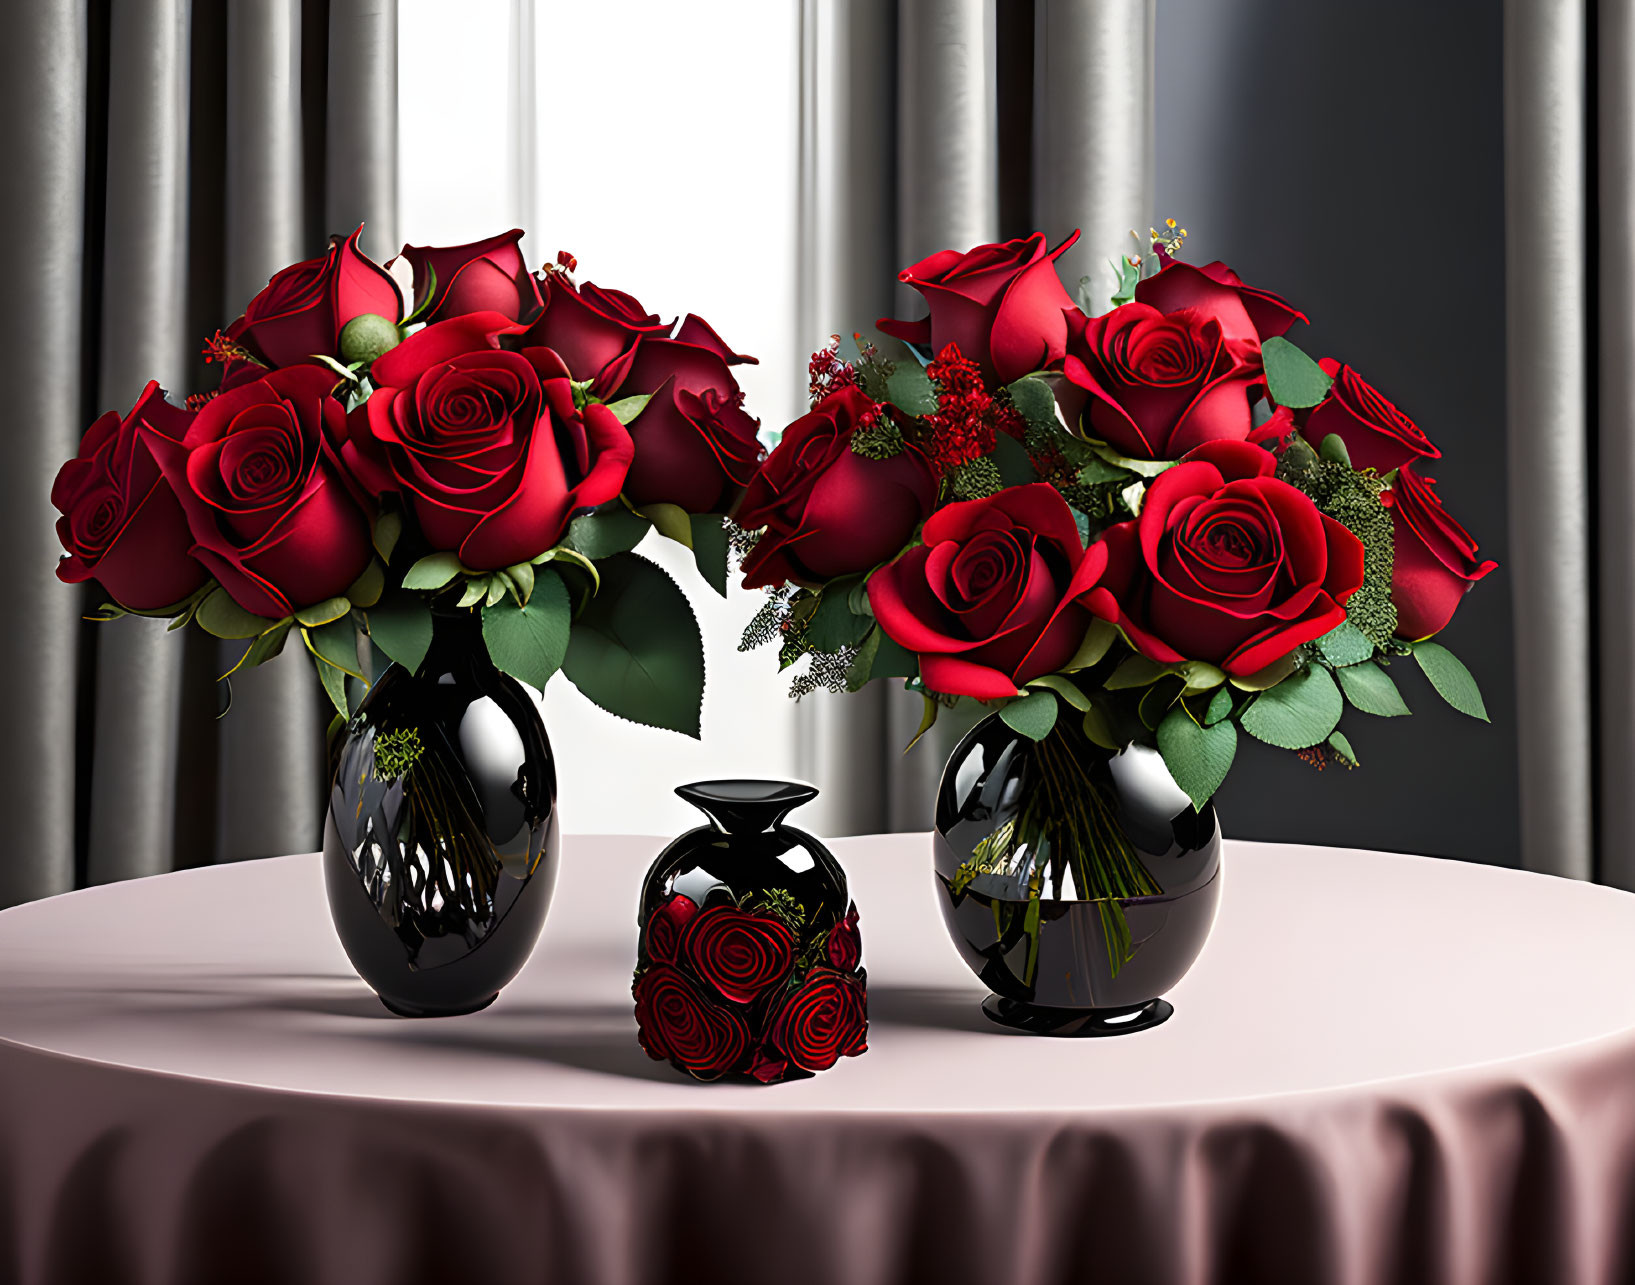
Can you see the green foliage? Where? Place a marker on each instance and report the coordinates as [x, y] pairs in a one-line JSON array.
[[671, 522], [1034, 401], [1011, 458], [1453, 682], [627, 408], [219, 615], [1098, 639], [833, 625], [1129, 276], [365, 591], [880, 656], [1353, 500], [710, 549], [635, 649], [1371, 690], [1299, 712], [909, 388], [1065, 688], [1135, 671], [1033, 716], [1334, 450], [1270, 676], [1219, 707], [1345, 644], [530, 642], [606, 532], [1342, 749], [433, 572], [396, 752], [1292, 378], [388, 530], [976, 479], [323, 612], [400, 625], [1197, 757]]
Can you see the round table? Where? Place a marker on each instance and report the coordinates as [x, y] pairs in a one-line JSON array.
[[1382, 1068]]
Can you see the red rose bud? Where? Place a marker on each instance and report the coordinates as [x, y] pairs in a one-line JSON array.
[[483, 276], [121, 523], [303, 309], [1226, 564], [844, 946], [594, 331], [1435, 558], [675, 1021], [768, 1065], [739, 953], [822, 1021], [1376, 434], [695, 445], [1002, 304], [1158, 385], [665, 926], [827, 511], [993, 594], [1247, 315], [485, 445], [265, 497]]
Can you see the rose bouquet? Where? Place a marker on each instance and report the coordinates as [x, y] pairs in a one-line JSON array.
[[1159, 525], [450, 432]]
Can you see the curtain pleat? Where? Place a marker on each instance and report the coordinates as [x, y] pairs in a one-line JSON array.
[[360, 158], [1615, 433], [43, 80], [1547, 234]]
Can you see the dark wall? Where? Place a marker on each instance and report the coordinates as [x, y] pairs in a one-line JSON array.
[[1350, 157]]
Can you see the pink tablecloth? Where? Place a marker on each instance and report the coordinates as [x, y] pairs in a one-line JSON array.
[[1382, 1069]]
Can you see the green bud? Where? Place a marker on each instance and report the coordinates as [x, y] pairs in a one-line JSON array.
[[366, 337]]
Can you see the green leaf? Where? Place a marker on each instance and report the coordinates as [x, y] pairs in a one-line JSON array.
[[476, 590], [614, 529], [909, 389], [1333, 449], [1453, 682], [497, 588], [627, 408], [268, 645], [1300, 711], [400, 625], [522, 578], [1292, 378], [334, 682], [564, 554], [1197, 757], [1033, 716], [1271, 676], [1338, 743], [1143, 468], [1096, 470], [1200, 676], [388, 530], [366, 589], [671, 521], [1034, 401], [335, 644], [833, 625], [1064, 688], [529, 643], [322, 613], [860, 670], [1097, 639], [1129, 276], [1099, 730], [710, 549], [1135, 671], [1220, 706], [1345, 645], [433, 571], [218, 614], [1370, 689], [427, 299], [1157, 700], [1010, 457], [635, 649], [888, 658], [928, 717]]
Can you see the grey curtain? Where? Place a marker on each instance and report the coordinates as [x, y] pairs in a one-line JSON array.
[[933, 124], [165, 158]]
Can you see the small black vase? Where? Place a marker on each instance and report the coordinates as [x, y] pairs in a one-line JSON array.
[[440, 847], [1079, 884], [749, 964]]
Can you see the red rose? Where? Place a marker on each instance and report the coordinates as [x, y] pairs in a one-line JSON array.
[[827, 510], [594, 331], [768, 1065], [1226, 564], [738, 952], [695, 446], [267, 503], [676, 1021], [991, 596], [484, 276], [822, 1021], [844, 946], [1435, 563], [1003, 305], [1376, 434], [1157, 385], [665, 926], [304, 308], [120, 520], [485, 445], [1246, 315]]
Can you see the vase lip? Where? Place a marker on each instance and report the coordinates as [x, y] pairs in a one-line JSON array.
[[746, 805]]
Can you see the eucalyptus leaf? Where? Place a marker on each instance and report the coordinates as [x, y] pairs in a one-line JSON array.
[[909, 389], [671, 521], [1453, 682], [219, 615], [530, 642], [1338, 743], [522, 578], [388, 530], [498, 587], [1197, 757], [1143, 468], [1270, 676], [433, 571], [1099, 730], [321, 613], [1370, 689], [367, 588], [1097, 639], [400, 626], [476, 590], [1299, 712], [1135, 671], [709, 545], [614, 529], [1065, 688], [1033, 716], [1034, 401], [1292, 378], [1345, 644], [336, 644], [1220, 706]]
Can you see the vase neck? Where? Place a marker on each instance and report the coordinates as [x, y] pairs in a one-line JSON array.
[[746, 807], [456, 641]]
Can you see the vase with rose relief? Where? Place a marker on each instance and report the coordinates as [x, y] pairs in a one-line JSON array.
[[440, 847], [749, 964]]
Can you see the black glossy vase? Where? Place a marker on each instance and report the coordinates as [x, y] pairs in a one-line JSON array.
[[440, 848], [750, 964], [1079, 884]]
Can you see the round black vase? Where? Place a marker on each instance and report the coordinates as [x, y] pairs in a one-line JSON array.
[[749, 964], [1061, 958], [440, 847]]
